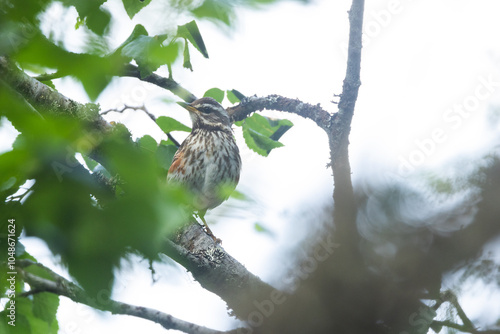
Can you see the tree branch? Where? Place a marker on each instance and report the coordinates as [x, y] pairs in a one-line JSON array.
[[217, 271], [341, 125], [150, 115], [130, 70], [46, 100], [63, 287], [275, 102], [463, 328], [450, 297], [345, 206]]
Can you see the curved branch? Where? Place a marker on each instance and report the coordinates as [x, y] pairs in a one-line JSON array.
[[62, 287], [275, 102]]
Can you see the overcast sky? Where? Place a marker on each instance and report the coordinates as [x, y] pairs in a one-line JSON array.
[[430, 81]]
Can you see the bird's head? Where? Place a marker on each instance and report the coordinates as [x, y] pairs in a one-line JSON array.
[[207, 113]]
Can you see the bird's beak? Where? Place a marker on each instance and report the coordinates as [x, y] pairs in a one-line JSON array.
[[188, 107]]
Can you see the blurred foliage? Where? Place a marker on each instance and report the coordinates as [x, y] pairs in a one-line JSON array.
[[92, 196], [21, 38], [35, 314], [89, 222], [95, 197], [391, 274]]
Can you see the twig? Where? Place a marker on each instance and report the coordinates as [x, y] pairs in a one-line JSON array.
[[63, 287], [143, 108], [467, 326], [450, 324], [464, 328], [452, 299]]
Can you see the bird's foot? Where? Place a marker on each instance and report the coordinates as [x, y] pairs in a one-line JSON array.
[[209, 231]]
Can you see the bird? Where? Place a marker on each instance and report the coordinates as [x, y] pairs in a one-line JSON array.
[[208, 162]]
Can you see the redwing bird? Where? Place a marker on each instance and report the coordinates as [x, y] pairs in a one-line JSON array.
[[208, 162]]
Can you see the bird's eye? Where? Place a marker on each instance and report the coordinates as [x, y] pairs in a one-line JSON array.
[[205, 109]]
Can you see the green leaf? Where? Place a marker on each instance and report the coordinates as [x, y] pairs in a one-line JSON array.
[[165, 155], [139, 30], [238, 195], [133, 7], [191, 32], [259, 143], [147, 143], [39, 271], [150, 53], [45, 307], [94, 72], [8, 184], [27, 321], [259, 227], [98, 21], [95, 80], [234, 96], [169, 124], [215, 93], [96, 18], [187, 57], [49, 83], [79, 22], [84, 7], [261, 133], [219, 11], [263, 229]]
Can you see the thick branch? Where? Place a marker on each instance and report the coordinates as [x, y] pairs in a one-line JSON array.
[[167, 83], [217, 271], [342, 123], [345, 208], [46, 100], [275, 102], [61, 286]]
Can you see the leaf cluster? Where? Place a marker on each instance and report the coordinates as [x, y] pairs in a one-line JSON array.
[[23, 40], [93, 195], [36, 314], [261, 133]]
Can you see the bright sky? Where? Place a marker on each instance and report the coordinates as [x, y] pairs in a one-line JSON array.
[[429, 79]]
